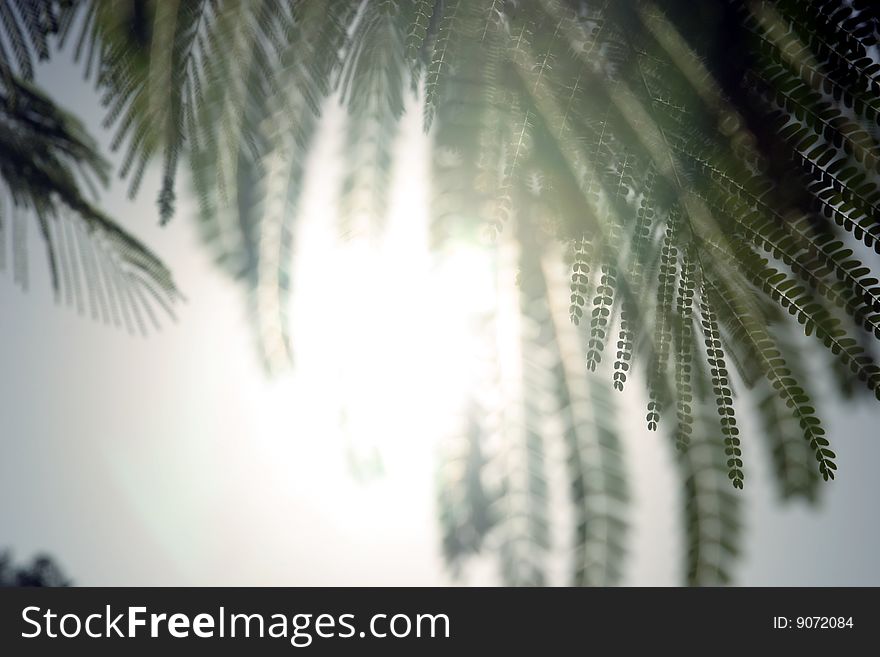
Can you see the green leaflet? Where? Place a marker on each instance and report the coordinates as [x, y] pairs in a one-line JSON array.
[[685, 351], [721, 390]]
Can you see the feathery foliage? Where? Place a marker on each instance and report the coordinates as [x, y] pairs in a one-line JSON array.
[[47, 157], [710, 169]]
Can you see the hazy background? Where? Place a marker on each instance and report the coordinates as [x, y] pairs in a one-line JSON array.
[[172, 460]]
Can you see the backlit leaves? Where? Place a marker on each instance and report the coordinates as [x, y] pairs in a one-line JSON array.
[[714, 174]]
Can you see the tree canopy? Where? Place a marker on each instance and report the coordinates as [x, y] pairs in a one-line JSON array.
[[706, 172]]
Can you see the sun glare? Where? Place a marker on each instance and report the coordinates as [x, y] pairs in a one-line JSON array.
[[385, 332]]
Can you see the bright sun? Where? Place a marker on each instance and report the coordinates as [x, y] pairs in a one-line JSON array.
[[386, 334]]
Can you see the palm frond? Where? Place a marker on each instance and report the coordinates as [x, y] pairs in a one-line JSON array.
[[47, 157]]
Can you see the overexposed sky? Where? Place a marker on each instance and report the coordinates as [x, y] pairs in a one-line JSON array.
[[174, 460]]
